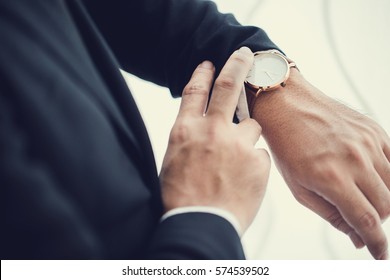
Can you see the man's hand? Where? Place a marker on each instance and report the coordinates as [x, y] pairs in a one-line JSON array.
[[334, 159], [210, 161]]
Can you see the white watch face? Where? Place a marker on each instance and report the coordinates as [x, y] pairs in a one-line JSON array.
[[269, 70]]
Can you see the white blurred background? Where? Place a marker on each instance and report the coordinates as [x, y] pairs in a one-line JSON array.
[[342, 47]]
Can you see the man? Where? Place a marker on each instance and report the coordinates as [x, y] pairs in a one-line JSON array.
[[77, 173]]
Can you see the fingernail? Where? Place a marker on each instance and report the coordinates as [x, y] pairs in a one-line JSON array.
[[206, 65], [246, 51]]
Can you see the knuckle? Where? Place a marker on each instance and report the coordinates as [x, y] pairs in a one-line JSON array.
[[368, 221], [327, 172], [179, 132], [369, 141], [196, 88], [355, 155], [374, 128], [241, 59], [226, 82]]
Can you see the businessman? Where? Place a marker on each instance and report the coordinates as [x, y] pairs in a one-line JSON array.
[[78, 178]]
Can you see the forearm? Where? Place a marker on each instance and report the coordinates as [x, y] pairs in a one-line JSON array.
[[270, 109], [334, 159], [164, 40]]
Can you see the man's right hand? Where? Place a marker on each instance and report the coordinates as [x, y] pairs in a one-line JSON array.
[[211, 161]]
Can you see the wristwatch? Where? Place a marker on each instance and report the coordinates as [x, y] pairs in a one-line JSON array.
[[270, 70]]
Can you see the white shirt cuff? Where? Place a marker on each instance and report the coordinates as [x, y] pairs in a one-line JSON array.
[[242, 111], [206, 209]]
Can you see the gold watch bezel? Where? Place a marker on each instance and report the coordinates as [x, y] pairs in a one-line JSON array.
[[256, 89]]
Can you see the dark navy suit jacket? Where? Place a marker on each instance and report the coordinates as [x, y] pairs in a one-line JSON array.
[[77, 174]]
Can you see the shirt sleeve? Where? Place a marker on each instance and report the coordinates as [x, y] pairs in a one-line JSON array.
[[228, 216], [164, 40]]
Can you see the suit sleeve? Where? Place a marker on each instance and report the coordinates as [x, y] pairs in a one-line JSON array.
[[164, 40], [195, 236]]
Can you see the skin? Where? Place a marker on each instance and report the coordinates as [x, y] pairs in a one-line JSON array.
[[334, 159], [210, 161]]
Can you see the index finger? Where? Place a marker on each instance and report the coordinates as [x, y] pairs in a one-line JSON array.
[[228, 85]]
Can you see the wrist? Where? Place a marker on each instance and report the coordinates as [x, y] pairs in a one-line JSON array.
[[272, 109]]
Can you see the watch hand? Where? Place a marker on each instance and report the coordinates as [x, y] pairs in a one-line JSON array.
[[269, 72], [266, 72]]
